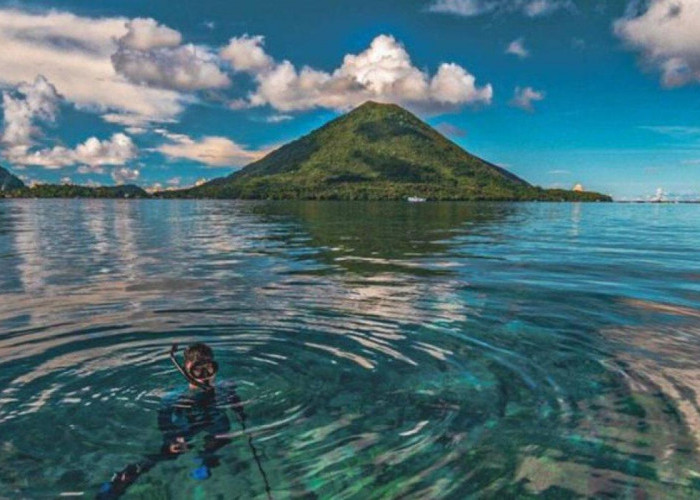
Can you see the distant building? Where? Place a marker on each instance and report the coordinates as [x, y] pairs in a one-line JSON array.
[[578, 188]]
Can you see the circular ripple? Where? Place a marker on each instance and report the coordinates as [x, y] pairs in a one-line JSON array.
[[427, 360]]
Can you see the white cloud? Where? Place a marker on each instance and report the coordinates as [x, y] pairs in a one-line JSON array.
[[383, 72], [278, 118], [150, 54], [185, 68], [471, 8], [146, 34], [39, 101], [118, 150], [536, 8], [85, 169], [136, 130], [667, 34], [174, 184], [467, 8], [124, 175], [94, 153], [246, 53], [524, 97], [73, 53], [454, 85], [135, 121], [517, 48], [32, 102], [155, 187], [211, 150]]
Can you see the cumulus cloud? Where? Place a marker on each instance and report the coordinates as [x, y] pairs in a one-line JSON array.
[[211, 150], [117, 150], [93, 154], [124, 175], [150, 54], [73, 53], [471, 8], [517, 48], [32, 102], [666, 34], [524, 97], [246, 53], [147, 34], [383, 72]]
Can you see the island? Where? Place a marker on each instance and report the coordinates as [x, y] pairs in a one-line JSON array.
[[375, 152]]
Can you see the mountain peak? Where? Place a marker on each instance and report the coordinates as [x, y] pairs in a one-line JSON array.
[[377, 105], [380, 108], [377, 151], [8, 182]]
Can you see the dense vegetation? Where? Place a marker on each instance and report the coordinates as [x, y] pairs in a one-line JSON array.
[[9, 182], [376, 152], [74, 191], [378, 191]]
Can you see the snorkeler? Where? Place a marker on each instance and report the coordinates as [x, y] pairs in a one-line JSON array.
[[182, 417]]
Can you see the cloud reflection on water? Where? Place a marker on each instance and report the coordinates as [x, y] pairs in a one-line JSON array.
[[390, 345]]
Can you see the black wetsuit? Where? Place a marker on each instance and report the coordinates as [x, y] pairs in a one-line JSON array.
[[180, 419]]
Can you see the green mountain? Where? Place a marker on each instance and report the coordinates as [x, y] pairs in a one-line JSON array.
[[75, 191], [375, 152], [9, 182]]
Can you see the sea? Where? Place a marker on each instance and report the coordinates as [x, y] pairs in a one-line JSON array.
[[379, 350]]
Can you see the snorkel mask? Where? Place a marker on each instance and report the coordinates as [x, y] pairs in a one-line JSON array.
[[203, 369]]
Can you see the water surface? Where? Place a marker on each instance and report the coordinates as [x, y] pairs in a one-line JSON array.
[[382, 350]]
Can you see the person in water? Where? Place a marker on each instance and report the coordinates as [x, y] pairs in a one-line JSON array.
[[199, 410]]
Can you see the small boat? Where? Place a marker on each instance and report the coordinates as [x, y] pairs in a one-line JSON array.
[[415, 199]]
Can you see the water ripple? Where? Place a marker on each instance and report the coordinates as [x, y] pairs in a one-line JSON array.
[[380, 350]]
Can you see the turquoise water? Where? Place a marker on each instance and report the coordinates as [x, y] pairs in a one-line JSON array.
[[382, 350]]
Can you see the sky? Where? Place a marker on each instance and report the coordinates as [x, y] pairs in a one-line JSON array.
[[168, 94]]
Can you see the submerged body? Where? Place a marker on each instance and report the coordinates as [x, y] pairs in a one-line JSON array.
[[185, 415], [201, 409]]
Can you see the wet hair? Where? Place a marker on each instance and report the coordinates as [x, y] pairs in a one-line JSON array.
[[198, 352]]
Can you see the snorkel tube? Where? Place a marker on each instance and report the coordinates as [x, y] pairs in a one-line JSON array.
[[204, 386]]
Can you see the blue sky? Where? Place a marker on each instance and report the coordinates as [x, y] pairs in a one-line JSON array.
[[164, 94]]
